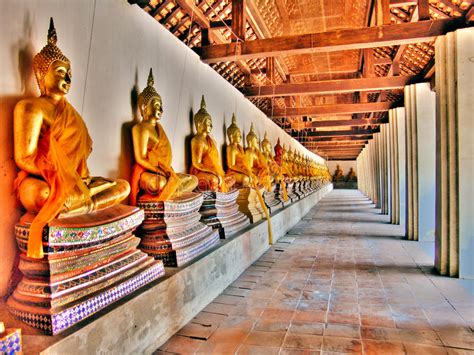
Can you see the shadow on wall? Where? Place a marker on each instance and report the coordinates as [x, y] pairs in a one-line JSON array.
[[127, 159], [21, 54], [187, 142]]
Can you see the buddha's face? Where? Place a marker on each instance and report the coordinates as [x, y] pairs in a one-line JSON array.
[[252, 142], [267, 147], [57, 80], [154, 109], [236, 137], [205, 126]]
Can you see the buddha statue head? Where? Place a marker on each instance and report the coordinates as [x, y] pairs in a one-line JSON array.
[[266, 145], [202, 119], [252, 139], [149, 101], [52, 68], [278, 148], [233, 131]]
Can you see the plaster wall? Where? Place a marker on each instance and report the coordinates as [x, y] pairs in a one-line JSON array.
[[111, 45], [345, 165]]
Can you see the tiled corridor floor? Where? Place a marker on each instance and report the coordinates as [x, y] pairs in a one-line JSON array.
[[342, 281]]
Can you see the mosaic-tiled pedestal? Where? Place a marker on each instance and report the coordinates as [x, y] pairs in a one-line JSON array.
[[297, 189], [172, 231], [290, 189], [90, 262], [272, 200], [221, 211], [10, 342], [249, 204]]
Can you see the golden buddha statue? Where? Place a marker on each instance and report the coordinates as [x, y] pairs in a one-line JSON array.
[[153, 175], [206, 164], [285, 164], [278, 152], [351, 176], [256, 160], [274, 167], [52, 144], [237, 164], [338, 174]]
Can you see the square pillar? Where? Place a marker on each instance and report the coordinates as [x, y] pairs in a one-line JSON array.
[[420, 105], [455, 154]]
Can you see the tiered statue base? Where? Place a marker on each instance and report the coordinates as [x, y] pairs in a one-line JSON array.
[[10, 341], [90, 262], [220, 211], [290, 189], [172, 231], [345, 184], [280, 196], [272, 200], [249, 204]]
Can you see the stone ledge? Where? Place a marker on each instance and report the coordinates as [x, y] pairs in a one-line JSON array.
[[141, 323]]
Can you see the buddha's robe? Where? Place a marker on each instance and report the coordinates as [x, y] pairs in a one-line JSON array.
[[61, 156], [211, 160], [159, 155]]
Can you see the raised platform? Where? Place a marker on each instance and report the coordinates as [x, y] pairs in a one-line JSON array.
[[172, 231], [249, 204], [146, 320], [90, 262], [220, 211]]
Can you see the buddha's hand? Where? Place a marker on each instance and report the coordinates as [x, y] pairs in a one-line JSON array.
[[87, 180]]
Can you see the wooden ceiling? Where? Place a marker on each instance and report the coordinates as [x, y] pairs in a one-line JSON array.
[[326, 71]]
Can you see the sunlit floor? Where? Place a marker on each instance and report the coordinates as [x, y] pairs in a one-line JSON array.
[[342, 281]]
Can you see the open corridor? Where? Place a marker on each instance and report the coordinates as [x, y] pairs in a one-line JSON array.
[[343, 280]]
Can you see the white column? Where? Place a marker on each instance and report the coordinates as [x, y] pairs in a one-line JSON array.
[[420, 104], [455, 153], [401, 166]]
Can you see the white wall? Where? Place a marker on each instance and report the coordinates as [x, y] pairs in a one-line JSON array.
[[112, 46], [345, 165]]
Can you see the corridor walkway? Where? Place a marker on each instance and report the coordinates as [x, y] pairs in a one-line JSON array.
[[342, 281]]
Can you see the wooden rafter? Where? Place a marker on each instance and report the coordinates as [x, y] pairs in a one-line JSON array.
[[342, 138], [388, 35], [330, 86], [355, 132], [337, 109], [340, 123]]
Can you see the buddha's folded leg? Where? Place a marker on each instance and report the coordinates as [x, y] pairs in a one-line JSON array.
[[112, 196], [188, 183], [33, 193], [152, 183]]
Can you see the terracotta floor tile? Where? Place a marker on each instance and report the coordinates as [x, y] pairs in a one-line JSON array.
[[229, 335], [303, 341], [270, 339], [180, 344], [310, 316], [342, 330], [377, 321], [197, 331], [298, 327], [258, 350], [280, 314], [343, 307], [380, 334], [209, 319], [246, 323], [457, 337], [373, 347], [313, 305], [272, 325], [419, 349], [420, 336], [245, 310], [218, 348], [342, 345], [285, 351], [343, 318], [230, 300], [412, 323]]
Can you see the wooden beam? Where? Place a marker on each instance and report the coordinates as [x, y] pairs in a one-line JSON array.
[[330, 86], [350, 133], [339, 143], [340, 123], [470, 15], [218, 25], [402, 3], [337, 109], [343, 138], [382, 61], [238, 20], [423, 10], [194, 12], [379, 36]]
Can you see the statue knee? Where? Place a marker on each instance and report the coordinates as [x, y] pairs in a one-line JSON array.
[[33, 194]]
